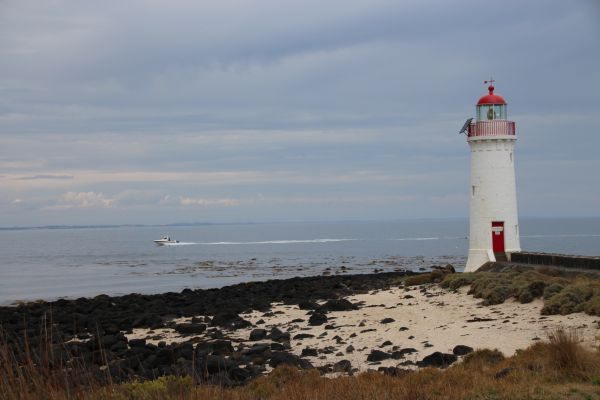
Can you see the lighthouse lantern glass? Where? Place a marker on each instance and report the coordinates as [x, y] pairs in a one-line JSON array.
[[488, 112]]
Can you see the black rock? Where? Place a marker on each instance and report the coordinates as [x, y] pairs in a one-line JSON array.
[[164, 356], [301, 336], [257, 349], [317, 318], [462, 350], [378, 355], [308, 352], [277, 335], [342, 366], [277, 346], [387, 320], [137, 342], [403, 328], [350, 349], [281, 358], [258, 334], [107, 341], [216, 347], [308, 305], [190, 328], [408, 350], [215, 364], [230, 320], [184, 350], [338, 305], [437, 359], [386, 343]]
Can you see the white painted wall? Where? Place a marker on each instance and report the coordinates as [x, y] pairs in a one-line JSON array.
[[493, 197]]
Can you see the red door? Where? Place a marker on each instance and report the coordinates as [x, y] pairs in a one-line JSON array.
[[498, 236]]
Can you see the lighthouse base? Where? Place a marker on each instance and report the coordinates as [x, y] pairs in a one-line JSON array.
[[478, 257]]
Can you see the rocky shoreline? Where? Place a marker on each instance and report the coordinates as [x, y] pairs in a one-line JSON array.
[[93, 331], [339, 324]]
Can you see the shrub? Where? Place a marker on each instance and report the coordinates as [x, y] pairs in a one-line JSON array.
[[484, 357], [419, 279], [571, 299], [162, 387], [455, 281], [592, 306], [552, 290]]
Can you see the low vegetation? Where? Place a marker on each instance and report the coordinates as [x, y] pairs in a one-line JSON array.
[[555, 369], [561, 294]]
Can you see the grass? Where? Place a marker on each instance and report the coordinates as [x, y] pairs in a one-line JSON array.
[[561, 294], [555, 369]]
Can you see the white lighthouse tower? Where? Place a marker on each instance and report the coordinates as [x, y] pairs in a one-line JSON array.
[[493, 222]]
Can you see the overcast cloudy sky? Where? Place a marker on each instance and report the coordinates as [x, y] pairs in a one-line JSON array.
[[236, 110]]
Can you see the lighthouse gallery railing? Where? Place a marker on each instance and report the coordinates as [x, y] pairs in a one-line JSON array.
[[492, 128]]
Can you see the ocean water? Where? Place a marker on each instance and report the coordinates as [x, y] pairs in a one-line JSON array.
[[84, 262]]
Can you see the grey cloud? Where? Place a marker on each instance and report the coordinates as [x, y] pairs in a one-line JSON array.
[[44, 176], [312, 89]]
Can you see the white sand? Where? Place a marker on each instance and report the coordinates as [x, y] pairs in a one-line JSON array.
[[436, 320]]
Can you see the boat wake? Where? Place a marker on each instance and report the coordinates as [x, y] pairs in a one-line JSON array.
[[431, 238], [261, 242]]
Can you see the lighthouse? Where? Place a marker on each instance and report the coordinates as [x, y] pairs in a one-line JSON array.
[[493, 220]]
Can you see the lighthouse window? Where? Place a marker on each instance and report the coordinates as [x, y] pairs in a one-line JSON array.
[[491, 112], [511, 157], [473, 189], [499, 112]]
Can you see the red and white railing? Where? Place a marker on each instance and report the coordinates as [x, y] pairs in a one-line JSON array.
[[492, 128]]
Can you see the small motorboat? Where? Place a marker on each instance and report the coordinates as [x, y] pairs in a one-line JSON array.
[[165, 240]]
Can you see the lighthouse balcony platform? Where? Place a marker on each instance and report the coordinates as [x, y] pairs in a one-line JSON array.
[[492, 128]]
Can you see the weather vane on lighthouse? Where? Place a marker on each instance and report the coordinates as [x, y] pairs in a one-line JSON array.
[[493, 219]]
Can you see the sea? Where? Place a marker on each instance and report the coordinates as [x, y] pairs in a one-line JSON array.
[[72, 262]]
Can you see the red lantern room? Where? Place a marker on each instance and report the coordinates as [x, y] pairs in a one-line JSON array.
[[491, 106], [491, 118]]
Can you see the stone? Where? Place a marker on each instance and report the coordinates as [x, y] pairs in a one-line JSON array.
[[437, 359], [308, 305], [308, 352], [277, 335], [338, 305], [257, 349], [317, 318], [301, 336], [378, 355], [281, 358], [190, 328], [137, 343], [350, 349], [462, 350], [387, 320], [230, 320], [342, 366], [258, 334]]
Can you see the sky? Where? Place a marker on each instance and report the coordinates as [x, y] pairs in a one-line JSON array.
[[152, 112]]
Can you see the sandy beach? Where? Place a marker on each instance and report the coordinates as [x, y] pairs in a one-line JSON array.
[[406, 324]]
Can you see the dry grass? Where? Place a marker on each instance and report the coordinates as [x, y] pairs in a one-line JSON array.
[[557, 369]]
